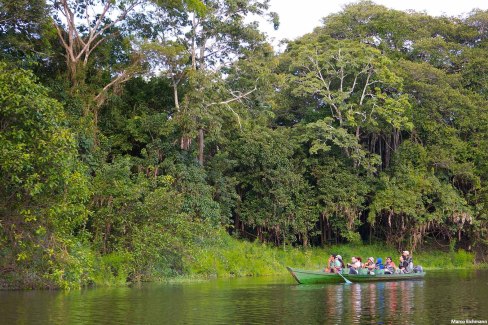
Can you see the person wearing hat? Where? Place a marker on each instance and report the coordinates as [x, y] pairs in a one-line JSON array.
[[407, 261], [379, 264], [370, 265]]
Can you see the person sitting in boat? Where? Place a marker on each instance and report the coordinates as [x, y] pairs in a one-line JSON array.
[[360, 261], [330, 264], [401, 264], [339, 264], [404, 266], [370, 265], [390, 267], [408, 261], [379, 264], [354, 266]]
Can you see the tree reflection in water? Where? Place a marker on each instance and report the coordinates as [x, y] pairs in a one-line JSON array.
[[437, 299], [382, 302]]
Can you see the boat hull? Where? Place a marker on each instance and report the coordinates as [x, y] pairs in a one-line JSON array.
[[312, 277]]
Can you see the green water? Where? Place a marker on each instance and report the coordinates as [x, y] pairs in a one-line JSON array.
[[438, 299]]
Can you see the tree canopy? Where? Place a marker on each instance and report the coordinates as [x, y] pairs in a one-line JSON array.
[[136, 133]]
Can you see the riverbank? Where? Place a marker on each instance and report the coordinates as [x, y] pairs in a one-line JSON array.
[[231, 257], [261, 300], [241, 258]]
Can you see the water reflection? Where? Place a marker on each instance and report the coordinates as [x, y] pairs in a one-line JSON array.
[[437, 299], [379, 303]]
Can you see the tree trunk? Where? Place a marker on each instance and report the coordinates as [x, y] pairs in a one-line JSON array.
[[380, 151], [396, 139], [193, 43], [202, 54], [305, 240], [72, 75], [201, 145], [175, 94], [260, 234], [322, 229], [374, 139], [236, 224], [387, 150]]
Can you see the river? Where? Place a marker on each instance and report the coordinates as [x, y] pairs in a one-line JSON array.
[[442, 297]]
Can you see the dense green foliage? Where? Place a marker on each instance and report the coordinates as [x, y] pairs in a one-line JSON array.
[[232, 257], [151, 139]]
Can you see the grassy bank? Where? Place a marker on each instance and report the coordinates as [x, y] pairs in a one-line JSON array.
[[224, 257], [241, 258]]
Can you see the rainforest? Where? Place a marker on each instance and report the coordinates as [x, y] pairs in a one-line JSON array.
[[152, 139]]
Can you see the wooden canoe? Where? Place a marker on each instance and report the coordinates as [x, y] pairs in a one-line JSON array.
[[311, 277]]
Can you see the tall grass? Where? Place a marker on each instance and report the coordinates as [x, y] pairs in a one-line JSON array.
[[242, 258], [225, 256], [429, 259], [233, 257]]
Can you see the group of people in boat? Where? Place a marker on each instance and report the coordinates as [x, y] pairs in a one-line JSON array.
[[405, 265]]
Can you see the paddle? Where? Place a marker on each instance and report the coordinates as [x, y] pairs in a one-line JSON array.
[[347, 281]]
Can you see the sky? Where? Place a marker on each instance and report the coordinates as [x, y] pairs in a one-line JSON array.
[[299, 17]]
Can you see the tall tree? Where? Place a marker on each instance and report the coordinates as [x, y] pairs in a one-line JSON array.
[[23, 26], [215, 36], [83, 25], [43, 186], [355, 89]]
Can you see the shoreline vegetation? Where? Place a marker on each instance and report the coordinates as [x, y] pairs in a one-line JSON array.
[[232, 258], [246, 259], [145, 140], [241, 258]]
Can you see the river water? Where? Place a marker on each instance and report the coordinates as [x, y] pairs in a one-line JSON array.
[[438, 299]]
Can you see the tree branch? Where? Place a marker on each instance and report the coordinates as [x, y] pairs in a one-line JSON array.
[[236, 98]]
